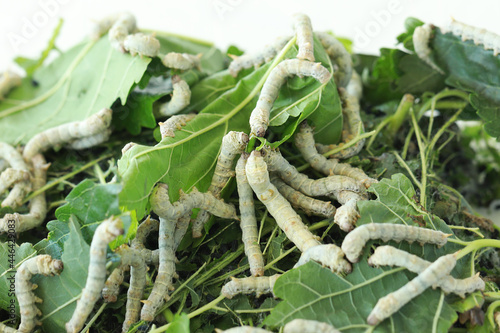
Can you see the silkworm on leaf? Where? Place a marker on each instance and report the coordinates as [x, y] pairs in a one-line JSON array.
[[12, 176], [421, 37], [259, 118], [142, 44], [392, 302], [67, 133], [20, 188], [8, 81], [102, 26], [304, 141], [112, 285], [355, 240], [248, 221], [107, 231], [121, 28], [308, 326], [390, 256], [489, 40], [341, 59], [243, 329], [309, 205], [355, 86], [181, 96], [347, 215], [259, 285], [90, 141], [41, 264], [233, 143], [305, 38], [182, 61], [6, 329], [174, 123], [329, 255]]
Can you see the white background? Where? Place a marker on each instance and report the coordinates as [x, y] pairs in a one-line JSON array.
[[26, 25]]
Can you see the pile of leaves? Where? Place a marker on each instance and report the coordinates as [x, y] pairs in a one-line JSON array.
[[430, 174]]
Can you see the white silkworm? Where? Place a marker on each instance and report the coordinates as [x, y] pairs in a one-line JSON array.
[[22, 187], [181, 61], [90, 141], [341, 59], [259, 285], [11, 176], [355, 86], [328, 255], [305, 38], [421, 36], [390, 256], [121, 28], [233, 143], [347, 215], [355, 240], [248, 222], [181, 97], [309, 205], [107, 231], [102, 26], [6, 329], [490, 40], [243, 329], [259, 119], [112, 285], [308, 326], [142, 44], [392, 302], [8, 81], [267, 54], [66, 133], [143, 230], [174, 123], [41, 264]]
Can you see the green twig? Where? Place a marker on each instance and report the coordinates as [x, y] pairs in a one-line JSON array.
[[476, 245], [422, 150]]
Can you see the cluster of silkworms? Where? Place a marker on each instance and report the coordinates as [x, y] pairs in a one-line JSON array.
[[294, 326]]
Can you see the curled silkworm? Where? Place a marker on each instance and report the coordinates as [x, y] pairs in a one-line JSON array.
[[304, 140], [259, 119], [181, 96], [308, 326], [233, 143], [182, 61], [355, 86], [347, 215], [392, 302], [121, 28], [21, 187], [107, 231], [255, 60], [142, 44], [90, 141], [309, 205], [8, 81], [41, 264], [66, 133], [489, 40], [143, 230], [248, 222], [174, 123], [355, 240], [328, 255], [259, 285], [305, 38], [421, 36], [11, 176], [341, 59], [243, 329], [390, 256]]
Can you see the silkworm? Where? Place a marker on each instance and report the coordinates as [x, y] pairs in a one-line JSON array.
[[392, 302], [326, 186], [121, 28], [489, 40], [107, 231], [305, 38], [22, 187], [309, 205], [243, 329], [66, 133], [181, 61], [143, 230], [259, 285], [391, 256], [142, 44], [6, 329], [308, 326], [102, 26], [128, 146], [8, 81], [347, 214], [304, 141], [328, 255], [90, 141], [41, 264], [174, 123], [355, 86], [233, 143], [259, 119], [248, 222], [341, 59], [112, 285], [255, 60], [421, 36], [181, 96], [11, 176], [355, 240]]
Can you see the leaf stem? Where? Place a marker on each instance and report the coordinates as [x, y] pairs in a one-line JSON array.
[[478, 244], [422, 150], [443, 94], [438, 313], [94, 318]]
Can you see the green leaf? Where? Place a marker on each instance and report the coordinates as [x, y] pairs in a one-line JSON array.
[[407, 37], [79, 83], [180, 324]]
